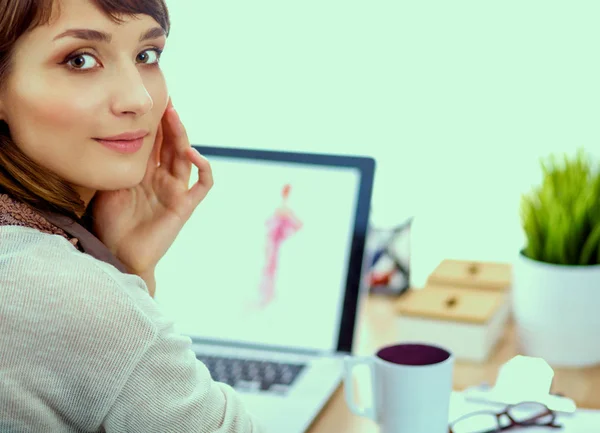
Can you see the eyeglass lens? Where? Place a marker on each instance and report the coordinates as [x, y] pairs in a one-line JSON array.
[[477, 423], [530, 413]]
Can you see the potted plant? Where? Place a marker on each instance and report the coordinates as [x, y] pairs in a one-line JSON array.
[[556, 277]]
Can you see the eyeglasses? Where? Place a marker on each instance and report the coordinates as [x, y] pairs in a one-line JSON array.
[[525, 414]]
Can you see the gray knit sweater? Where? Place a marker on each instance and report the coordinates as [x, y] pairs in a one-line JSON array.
[[84, 348]]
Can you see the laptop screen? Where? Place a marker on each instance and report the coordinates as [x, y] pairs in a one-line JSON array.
[[264, 258]]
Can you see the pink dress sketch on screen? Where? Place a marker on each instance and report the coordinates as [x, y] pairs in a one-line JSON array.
[[280, 227]]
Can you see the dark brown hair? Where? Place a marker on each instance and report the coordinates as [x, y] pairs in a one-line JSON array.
[[20, 176]]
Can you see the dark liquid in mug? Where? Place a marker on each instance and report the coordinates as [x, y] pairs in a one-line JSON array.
[[413, 354]]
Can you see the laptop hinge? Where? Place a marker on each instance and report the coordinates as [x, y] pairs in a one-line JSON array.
[[229, 346]]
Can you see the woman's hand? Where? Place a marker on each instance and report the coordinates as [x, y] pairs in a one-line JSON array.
[[139, 224]]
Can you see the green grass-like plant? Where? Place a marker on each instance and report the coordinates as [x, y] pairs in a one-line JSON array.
[[561, 217]]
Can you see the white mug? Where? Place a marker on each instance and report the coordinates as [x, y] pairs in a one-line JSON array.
[[411, 386]]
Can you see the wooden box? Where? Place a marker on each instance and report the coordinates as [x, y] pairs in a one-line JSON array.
[[467, 321], [481, 275]]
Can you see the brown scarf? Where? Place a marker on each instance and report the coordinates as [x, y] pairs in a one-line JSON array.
[[16, 213]]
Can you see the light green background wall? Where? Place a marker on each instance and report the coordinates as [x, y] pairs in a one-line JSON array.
[[456, 100]]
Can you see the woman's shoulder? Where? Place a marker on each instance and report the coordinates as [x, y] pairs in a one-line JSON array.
[[24, 245], [40, 266], [69, 321], [30, 244]]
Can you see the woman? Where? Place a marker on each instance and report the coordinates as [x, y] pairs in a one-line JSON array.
[[86, 213]]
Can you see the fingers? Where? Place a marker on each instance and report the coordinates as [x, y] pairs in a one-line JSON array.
[[181, 166], [166, 151], [205, 178], [175, 146], [177, 156], [157, 145], [154, 158]]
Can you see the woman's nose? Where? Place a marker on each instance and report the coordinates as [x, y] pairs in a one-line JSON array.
[[131, 94]]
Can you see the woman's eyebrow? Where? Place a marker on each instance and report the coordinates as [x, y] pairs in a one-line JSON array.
[[99, 36]]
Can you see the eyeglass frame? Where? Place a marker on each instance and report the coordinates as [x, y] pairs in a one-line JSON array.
[[527, 423]]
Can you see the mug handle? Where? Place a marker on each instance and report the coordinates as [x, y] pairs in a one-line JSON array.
[[349, 363]]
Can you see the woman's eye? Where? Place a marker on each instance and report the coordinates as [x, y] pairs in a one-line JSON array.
[[156, 53], [79, 60]]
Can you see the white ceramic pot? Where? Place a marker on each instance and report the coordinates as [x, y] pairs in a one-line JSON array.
[[557, 312]]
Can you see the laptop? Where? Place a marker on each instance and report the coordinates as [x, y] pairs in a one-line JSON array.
[[265, 276]]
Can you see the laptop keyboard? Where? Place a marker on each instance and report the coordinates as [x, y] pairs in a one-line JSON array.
[[252, 375]]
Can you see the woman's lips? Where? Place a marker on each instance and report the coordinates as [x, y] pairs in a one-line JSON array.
[[122, 146]]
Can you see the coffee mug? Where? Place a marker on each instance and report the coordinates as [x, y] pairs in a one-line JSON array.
[[411, 385]]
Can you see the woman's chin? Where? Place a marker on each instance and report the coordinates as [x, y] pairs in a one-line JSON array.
[[120, 181]]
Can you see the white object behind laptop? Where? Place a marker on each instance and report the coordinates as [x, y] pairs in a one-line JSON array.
[[209, 279]]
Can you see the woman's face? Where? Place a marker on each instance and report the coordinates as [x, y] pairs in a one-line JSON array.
[[59, 99]]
